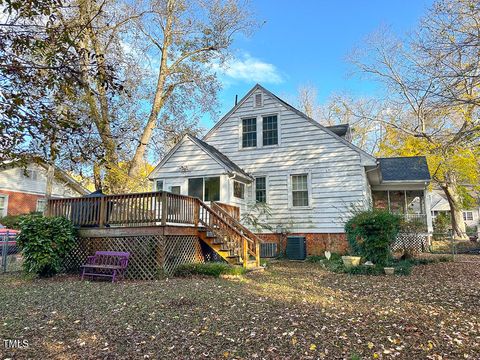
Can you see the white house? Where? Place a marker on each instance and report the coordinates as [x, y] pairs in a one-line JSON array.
[[22, 190], [311, 177], [439, 204]]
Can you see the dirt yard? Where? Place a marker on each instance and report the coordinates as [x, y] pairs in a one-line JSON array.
[[290, 311]]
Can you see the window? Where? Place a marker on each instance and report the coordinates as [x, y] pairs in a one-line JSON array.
[[29, 174], [249, 132], [258, 100], [159, 185], [175, 190], [261, 189], [468, 215], [239, 190], [195, 188], [212, 189], [270, 130], [3, 205], [41, 205], [300, 190]]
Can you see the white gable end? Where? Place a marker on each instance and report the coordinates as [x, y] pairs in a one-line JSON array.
[[188, 159]]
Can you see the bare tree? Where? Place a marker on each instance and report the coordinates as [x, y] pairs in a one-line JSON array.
[[431, 94], [175, 42]]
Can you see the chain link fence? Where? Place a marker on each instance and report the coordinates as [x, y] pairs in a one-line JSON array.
[[11, 257], [444, 243]]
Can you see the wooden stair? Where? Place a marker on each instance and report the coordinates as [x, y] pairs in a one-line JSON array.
[[225, 235]]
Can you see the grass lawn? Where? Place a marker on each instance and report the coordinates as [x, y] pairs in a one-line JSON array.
[[292, 310]]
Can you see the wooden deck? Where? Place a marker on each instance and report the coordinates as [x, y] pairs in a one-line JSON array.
[[162, 213]]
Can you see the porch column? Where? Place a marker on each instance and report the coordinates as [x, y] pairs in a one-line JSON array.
[[428, 211]]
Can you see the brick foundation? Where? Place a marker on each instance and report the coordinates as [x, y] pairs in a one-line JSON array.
[[316, 244], [21, 203]]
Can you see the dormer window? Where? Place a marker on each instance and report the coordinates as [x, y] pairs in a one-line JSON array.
[[258, 101], [249, 132]]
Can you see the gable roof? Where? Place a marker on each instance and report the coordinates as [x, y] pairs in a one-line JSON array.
[[413, 168], [296, 111], [340, 130], [58, 173], [213, 152], [220, 156]]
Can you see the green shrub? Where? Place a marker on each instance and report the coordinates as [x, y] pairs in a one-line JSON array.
[[208, 269], [315, 258], [471, 230], [371, 233], [442, 223], [335, 264], [11, 221], [45, 241]]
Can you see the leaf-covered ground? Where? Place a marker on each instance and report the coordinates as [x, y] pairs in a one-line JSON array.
[[291, 311]]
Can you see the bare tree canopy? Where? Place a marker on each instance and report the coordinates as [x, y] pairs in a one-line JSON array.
[[431, 88], [131, 77]]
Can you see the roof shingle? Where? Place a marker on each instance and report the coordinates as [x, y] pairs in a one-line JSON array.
[[413, 168]]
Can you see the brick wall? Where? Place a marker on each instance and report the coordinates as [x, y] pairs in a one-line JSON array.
[[316, 244], [20, 203]]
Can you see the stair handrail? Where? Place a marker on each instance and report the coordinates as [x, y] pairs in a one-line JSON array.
[[209, 209], [240, 227]]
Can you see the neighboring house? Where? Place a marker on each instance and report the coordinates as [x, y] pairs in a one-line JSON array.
[[440, 205], [310, 176], [22, 190]]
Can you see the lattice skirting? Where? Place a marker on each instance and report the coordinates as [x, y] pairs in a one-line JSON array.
[[151, 256], [416, 242]]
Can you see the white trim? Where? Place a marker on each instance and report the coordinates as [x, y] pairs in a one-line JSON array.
[[240, 132], [244, 189], [466, 213], [255, 100], [369, 159], [277, 114], [156, 182], [5, 208], [44, 200], [254, 195], [203, 184], [42, 193], [309, 188], [226, 167]]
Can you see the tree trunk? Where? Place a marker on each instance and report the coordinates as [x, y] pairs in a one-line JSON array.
[[98, 104], [161, 95], [453, 197], [50, 172], [97, 177]]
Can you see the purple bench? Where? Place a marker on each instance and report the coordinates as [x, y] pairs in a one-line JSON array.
[[106, 263]]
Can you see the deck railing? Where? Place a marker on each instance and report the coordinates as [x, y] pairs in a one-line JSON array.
[[151, 208], [226, 217], [158, 208], [232, 210], [416, 222]]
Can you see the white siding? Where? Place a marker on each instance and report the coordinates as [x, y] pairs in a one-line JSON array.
[[190, 161], [337, 176], [13, 179]]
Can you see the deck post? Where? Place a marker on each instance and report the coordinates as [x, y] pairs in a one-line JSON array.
[[257, 254], [245, 253], [102, 220], [164, 208], [196, 213]]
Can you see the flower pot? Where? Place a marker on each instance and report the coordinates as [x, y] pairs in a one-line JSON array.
[[389, 270], [351, 261]]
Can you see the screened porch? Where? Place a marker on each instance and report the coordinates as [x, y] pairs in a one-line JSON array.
[[410, 204]]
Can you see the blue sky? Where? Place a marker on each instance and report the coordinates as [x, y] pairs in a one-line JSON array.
[[306, 42]]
